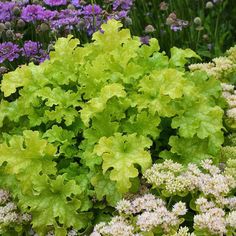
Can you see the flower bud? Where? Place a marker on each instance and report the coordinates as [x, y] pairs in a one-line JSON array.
[[71, 7], [3, 70], [8, 25], [199, 28], [128, 21], [205, 37], [20, 23], [82, 2], [149, 29], [163, 6], [81, 24], [197, 21], [18, 36], [36, 2], [16, 11], [170, 21], [44, 27], [209, 5], [2, 27], [173, 16], [9, 34]]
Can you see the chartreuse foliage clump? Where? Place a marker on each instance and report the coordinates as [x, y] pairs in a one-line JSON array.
[[79, 129]]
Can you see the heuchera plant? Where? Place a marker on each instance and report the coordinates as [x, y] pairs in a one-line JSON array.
[[78, 129]]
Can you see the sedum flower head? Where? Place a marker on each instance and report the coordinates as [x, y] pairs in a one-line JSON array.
[[212, 221], [208, 179], [183, 231], [220, 67], [118, 226], [231, 220], [179, 209], [4, 196]]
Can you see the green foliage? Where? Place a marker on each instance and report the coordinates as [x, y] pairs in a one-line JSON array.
[[121, 153], [177, 200], [174, 24], [80, 128]]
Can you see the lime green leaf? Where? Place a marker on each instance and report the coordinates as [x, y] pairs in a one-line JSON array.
[[63, 138], [121, 153], [104, 187], [143, 124], [13, 80], [178, 56], [55, 199], [199, 119], [189, 150], [27, 156], [28, 151], [98, 104]]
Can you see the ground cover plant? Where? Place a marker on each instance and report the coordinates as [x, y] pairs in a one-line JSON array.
[[81, 128], [199, 198]]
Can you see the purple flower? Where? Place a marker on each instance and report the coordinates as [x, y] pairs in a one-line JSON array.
[[92, 23], [33, 51], [176, 27], [6, 11], [31, 48], [68, 13], [92, 9], [36, 12], [8, 51], [144, 40], [55, 2], [44, 56], [65, 18], [48, 15], [123, 4], [118, 15], [76, 3]]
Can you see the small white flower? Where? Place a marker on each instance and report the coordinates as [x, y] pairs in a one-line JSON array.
[[179, 209]]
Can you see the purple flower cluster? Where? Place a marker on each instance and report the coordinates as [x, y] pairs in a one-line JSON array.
[[9, 51], [6, 13], [31, 48], [50, 19], [175, 23], [92, 10], [33, 13], [33, 51], [65, 18], [76, 3], [122, 4], [53, 3]]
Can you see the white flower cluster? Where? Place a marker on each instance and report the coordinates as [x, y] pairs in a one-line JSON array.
[[8, 211], [183, 231], [4, 196], [213, 219], [118, 226], [147, 202], [231, 53], [148, 212], [8, 214], [207, 179], [229, 93], [220, 67], [215, 207]]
